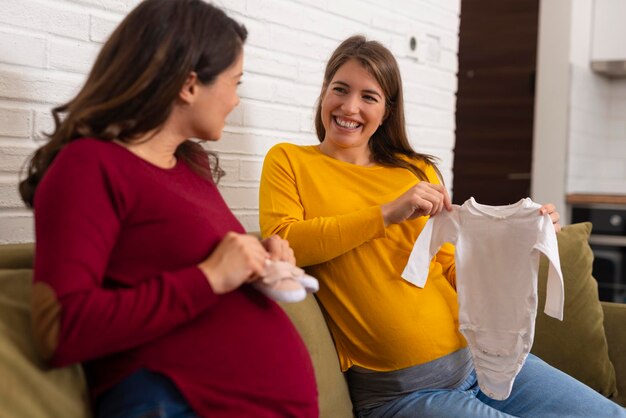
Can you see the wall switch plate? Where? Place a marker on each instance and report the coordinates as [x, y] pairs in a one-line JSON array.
[[423, 47], [433, 48]]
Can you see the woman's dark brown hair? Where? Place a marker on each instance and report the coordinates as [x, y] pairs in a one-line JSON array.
[[137, 77], [390, 141]]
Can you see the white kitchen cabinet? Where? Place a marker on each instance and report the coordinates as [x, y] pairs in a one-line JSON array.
[[608, 40]]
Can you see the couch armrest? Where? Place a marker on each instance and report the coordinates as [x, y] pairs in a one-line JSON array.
[[615, 328]]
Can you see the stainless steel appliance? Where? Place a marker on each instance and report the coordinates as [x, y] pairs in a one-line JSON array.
[[608, 242]]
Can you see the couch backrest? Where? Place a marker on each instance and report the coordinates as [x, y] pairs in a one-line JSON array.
[[334, 398]]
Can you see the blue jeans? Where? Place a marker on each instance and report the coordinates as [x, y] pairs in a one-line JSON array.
[[144, 394], [539, 391]]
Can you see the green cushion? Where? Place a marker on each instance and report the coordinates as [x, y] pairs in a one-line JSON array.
[[27, 388], [16, 256], [578, 345], [334, 399]]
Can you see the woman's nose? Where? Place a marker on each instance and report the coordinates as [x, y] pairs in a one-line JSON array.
[[350, 105]]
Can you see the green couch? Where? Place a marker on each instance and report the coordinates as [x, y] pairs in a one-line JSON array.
[[589, 344]]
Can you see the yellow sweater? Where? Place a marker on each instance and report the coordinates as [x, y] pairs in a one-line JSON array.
[[329, 211]]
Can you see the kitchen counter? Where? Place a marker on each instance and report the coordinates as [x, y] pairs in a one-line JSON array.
[[603, 199]]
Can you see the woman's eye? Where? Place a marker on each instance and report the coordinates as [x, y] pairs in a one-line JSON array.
[[339, 90], [370, 98]]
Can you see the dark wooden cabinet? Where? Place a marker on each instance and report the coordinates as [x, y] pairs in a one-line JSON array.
[[495, 100]]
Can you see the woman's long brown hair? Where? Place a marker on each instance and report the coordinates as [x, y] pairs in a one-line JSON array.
[[390, 141], [137, 77]]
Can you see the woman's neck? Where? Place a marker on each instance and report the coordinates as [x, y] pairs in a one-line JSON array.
[[358, 156], [156, 147]]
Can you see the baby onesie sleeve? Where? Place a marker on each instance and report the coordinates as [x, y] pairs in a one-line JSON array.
[[548, 245], [438, 230]]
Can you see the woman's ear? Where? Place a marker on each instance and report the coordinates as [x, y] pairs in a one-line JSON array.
[[189, 89], [385, 116]]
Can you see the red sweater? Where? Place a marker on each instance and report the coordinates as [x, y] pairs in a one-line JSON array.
[[118, 241]]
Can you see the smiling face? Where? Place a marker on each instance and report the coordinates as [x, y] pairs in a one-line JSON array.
[[352, 109]]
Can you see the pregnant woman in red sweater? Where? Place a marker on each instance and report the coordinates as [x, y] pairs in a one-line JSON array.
[[141, 270]]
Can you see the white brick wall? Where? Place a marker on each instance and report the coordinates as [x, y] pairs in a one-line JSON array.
[[596, 160], [47, 47], [597, 142]]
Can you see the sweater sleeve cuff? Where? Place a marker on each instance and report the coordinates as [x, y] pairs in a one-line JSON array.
[[194, 289]]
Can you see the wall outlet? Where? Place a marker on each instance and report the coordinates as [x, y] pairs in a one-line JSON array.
[[414, 46]]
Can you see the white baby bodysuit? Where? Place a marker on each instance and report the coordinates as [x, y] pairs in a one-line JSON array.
[[497, 261]]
